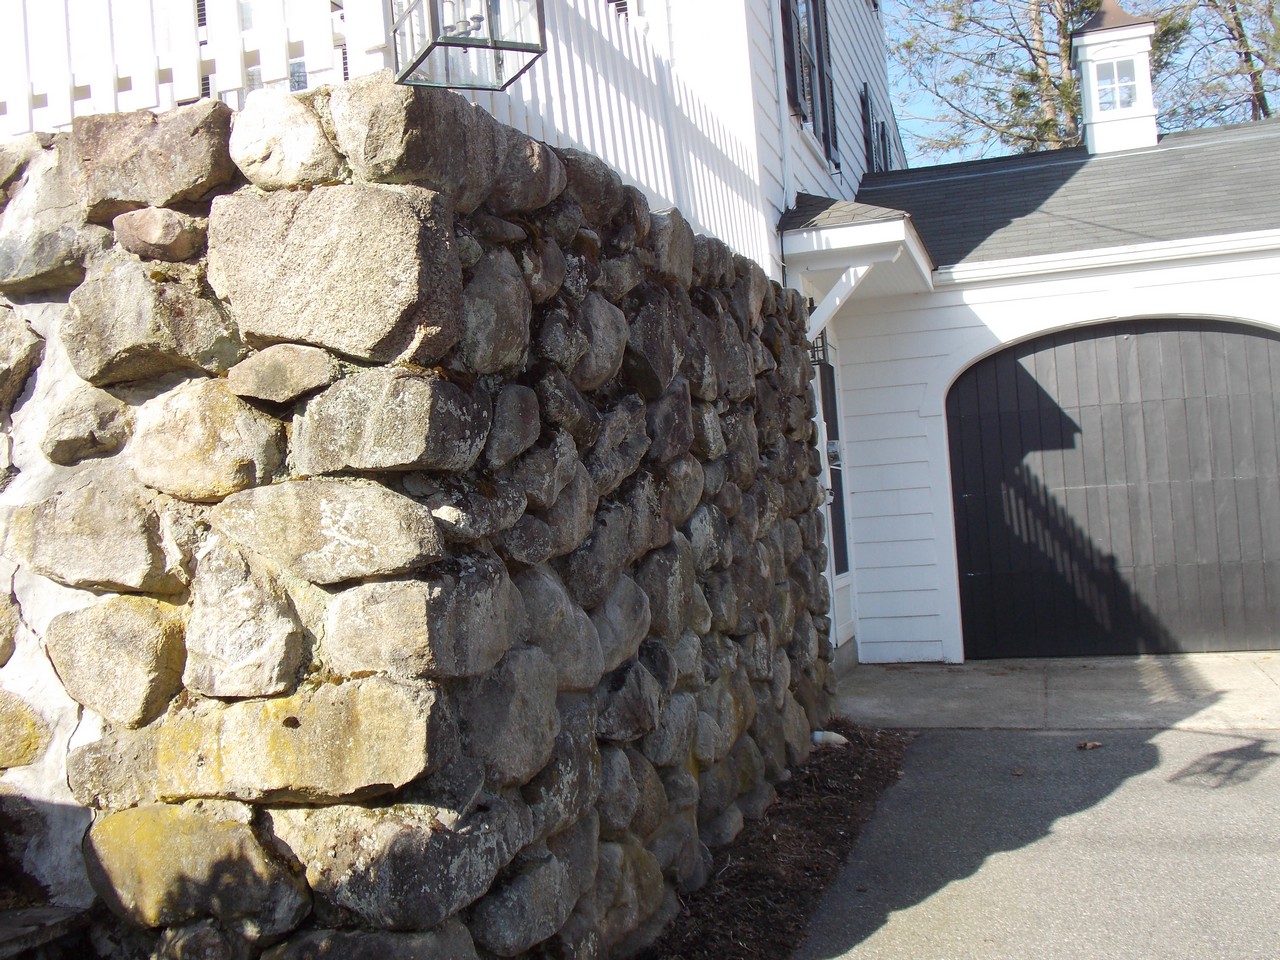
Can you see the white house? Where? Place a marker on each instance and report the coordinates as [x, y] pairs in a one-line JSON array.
[[1055, 380]]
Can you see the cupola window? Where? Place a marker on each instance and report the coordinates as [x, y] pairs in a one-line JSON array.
[[1117, 85]]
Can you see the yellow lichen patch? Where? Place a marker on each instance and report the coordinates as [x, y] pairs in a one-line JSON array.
[[23, 733]]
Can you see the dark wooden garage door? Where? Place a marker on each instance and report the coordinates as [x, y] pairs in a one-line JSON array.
[[1117, 490]]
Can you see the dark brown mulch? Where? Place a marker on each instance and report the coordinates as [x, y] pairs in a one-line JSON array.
[[767, 883]]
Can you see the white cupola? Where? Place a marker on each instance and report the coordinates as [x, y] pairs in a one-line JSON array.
[[1112, 51]]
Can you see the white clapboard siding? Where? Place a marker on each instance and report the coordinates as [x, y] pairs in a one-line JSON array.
[[602, 87]]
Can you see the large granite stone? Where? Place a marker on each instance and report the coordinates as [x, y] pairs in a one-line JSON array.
[[200, 442], [327, 531], [366, 271], [125, 324], [141, 159], [561, 629], [509, 718], [324, 743], [243, 638], [390, 133], [282, 373], [449, 941], [98, 531], [278, 142], [159, 865], [391, 418], [24, 734], [88, 422], [20, 353], [122, 657], [159, 234], [496, 311], [406, 866], [454, 623]]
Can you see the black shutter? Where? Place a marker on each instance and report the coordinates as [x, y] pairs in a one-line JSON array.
[[827, 87], [791, 56]]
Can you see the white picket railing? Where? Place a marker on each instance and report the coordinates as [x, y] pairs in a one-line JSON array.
[[601, 87]]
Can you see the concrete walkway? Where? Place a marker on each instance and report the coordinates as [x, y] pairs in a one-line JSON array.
[[1006, 841]]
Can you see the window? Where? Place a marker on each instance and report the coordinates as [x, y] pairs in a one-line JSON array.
[[875, 134], [808, 66], [1117, 85]]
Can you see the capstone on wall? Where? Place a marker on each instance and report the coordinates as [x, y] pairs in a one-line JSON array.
[[411, 542]]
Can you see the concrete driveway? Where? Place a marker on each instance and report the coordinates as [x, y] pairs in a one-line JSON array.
[[1004, 839]]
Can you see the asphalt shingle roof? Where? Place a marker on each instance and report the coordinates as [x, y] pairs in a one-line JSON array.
[[1196, 184]]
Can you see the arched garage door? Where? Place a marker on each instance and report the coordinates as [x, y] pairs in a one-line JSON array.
[[1117, 490]]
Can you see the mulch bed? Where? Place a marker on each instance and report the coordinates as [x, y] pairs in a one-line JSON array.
[[767, 883]]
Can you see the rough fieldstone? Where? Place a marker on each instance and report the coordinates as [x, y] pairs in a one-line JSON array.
[[391, 418], [449, 941], [509, 717], [629, 881], [593, 185], [277, 141], [679, 853], [530, 177], [125, 325], [530, 901], [561, 336], [591, 570], [649, 527], [327, 531], [564, 406], [10, 618], [545, 470], [671, 240], [796, 730], [618, 794], [630, 702], [400, 867], [709, 538], [708, 440], [496, 312], [88, 422], [529, 542], [620, 275], [366, 271], [282, 373], [725, 710], [390, 133], [566, 788], [655, 342], [122, 657], [515, 425], [159, 234], [495, 231], [722, 828], [544, 269], [468, 511], [605, 329], [355, 739], [141, 159], [455, 623], [684, 481], [621, 621], [578, 848], [651, 796], [115, 772], [569, 520], [750, 290], [15, 154], [200, 940], [243, 638], [24, 734], [743, 445], [670, 423], [98, 531], [200, 442], [160, 865], [667, 578], [43, 239], [20, 353], [672, 739], [621, 446], [561, 629]]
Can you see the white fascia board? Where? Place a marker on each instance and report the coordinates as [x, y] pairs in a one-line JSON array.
[[1165, 251], [857, 245]]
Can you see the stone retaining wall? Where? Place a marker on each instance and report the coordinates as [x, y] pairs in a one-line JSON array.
[[414, 541]]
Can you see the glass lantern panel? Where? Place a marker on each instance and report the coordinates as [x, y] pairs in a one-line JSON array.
[[517, 21]]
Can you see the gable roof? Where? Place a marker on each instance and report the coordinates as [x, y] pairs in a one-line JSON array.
[[1201, 183]]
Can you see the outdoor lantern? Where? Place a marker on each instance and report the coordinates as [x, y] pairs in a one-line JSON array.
[[466, 44]]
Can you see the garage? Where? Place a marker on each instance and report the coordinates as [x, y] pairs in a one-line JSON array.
[[1116, 490]]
